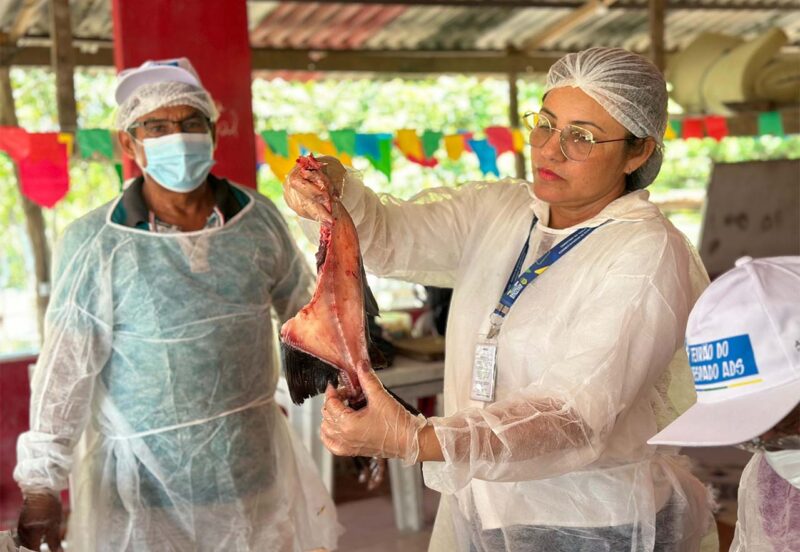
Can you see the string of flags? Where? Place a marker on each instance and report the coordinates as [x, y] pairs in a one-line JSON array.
[[42, 158], [279, 149]]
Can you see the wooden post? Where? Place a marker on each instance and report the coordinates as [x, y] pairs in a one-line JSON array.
[[513, 119], [33, 213], [63, 63], [657, 16]]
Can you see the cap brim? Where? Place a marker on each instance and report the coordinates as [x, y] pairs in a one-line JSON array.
[[160, 73], [731, 421]]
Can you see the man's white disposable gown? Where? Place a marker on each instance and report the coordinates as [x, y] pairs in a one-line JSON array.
[[768, 511], [590, 365], [162, 347]]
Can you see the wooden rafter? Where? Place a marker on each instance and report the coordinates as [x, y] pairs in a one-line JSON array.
[[386, 61], [567, 23]]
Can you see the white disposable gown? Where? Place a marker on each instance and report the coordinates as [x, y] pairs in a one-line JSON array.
[[590, 365], [161, 347], [768, 511]]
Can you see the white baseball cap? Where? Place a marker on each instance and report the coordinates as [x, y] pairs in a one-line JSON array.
[[743, 342], [152, 71]]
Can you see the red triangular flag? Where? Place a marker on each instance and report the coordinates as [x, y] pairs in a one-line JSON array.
[[14, 141], [500, 139], [716, 127], [692, 128], [44, 173]]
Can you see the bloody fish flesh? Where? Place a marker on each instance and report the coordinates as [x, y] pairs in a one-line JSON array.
[[328, 340]]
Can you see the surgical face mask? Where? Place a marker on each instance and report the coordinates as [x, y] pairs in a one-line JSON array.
[[179, 162], [786, 463]]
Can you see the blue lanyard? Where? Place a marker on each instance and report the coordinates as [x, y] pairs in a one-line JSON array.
[[518, 282]]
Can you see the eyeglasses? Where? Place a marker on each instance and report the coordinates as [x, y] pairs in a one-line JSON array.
[[576, 142], [155, 128]]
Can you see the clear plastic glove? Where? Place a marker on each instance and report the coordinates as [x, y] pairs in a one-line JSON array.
[[309, 192], [40, 520], [383, 428]]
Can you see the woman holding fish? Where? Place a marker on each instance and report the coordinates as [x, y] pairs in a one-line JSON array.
[[565, 336]]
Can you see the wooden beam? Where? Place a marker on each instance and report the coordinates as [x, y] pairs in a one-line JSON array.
[[657, 16], [513, 120], [555, 4], [567, 23], [469, 62], [351, 61], [63, 63]]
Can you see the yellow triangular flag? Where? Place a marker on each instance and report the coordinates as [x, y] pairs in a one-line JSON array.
[[409, 143], [519, 140], [454, 144], [68, 139]]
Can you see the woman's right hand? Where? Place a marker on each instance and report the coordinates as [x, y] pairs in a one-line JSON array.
[[309, 192], [40, 519]]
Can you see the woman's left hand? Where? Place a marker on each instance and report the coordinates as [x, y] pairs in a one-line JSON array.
[[383, 428]]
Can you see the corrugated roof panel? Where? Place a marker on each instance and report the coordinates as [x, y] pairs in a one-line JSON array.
[[520, 26], [463, 30], [257, 11], [319, 25], [411, 28], [373, 23]]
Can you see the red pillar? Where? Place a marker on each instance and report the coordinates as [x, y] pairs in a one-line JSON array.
[[213, 35]]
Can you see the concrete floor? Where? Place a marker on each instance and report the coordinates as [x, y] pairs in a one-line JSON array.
[[369, 526]]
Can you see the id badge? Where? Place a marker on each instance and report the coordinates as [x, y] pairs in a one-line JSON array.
[[484, 370]]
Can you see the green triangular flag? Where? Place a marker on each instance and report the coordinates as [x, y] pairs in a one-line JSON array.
[[344, 140], [430, 142], [770, 122], [677, 127], [92, 140], [277, 140], [118, 169], [384, 162]]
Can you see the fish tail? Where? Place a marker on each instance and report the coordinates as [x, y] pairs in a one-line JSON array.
[[306, 375]]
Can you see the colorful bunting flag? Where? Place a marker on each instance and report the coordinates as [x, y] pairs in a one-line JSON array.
[[409, 143], [261, 145], [14, 141], [669, 132], [500, 139], [344, 140], [716, 127], [44, 173], [692, 128], [277, 140], [367, 145], [466, 137], [454, 145], [519, 140], [487, 156], [430, 142], [384, 161], [68, 139], [91, 140], [770, 122]]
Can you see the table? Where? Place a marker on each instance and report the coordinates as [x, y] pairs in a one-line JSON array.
[[410, 379]]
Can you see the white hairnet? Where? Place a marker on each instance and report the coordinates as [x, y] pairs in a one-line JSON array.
[[149, 97], [629, 87]]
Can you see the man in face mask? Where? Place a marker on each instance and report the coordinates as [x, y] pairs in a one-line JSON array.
[[743, 342], [154, 390]]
